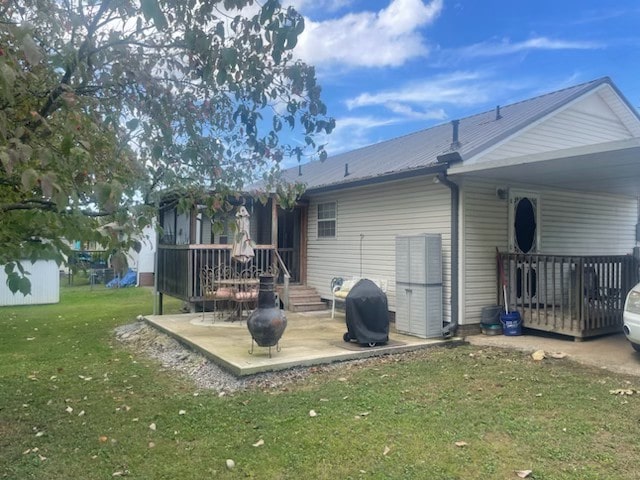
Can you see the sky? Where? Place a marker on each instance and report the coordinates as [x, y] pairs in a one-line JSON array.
[[392, 67]]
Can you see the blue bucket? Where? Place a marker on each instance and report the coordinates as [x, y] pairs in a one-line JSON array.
[[511, 323]]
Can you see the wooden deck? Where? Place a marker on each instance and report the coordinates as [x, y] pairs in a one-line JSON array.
[[580, 296], [564, 323]]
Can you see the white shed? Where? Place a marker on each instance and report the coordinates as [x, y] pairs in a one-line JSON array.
[[45, 284]]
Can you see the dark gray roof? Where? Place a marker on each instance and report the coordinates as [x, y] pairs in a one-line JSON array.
[[418, 151]]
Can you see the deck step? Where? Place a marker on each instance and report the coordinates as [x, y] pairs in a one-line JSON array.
[[307, 307], [303, 298]]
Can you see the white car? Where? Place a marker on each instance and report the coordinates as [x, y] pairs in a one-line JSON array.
[[631, 317]]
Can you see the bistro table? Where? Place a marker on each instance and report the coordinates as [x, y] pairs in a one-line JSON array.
[[243, 291]]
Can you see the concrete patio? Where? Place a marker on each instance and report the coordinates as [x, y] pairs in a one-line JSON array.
[[311, 338], [609, 352]]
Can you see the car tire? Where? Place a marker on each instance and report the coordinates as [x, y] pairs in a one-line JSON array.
[[636, 346]]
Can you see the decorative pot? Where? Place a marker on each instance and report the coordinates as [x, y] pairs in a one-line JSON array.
[[266, 323]]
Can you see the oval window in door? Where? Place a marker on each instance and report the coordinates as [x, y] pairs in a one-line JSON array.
[[525, 225]]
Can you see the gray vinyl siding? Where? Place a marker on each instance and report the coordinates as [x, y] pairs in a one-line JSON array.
[[587, 122], [572, 223], [380, 213], [206, 230], [588, 224]]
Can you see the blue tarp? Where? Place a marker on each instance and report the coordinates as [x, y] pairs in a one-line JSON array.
[[129, 280]]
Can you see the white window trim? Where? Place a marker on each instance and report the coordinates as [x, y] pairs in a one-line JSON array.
[[335, 220]]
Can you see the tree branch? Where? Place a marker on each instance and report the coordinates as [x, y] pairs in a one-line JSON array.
[[48, 107]]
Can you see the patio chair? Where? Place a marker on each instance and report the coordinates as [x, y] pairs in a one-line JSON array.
[[246, 289], [212, 290]]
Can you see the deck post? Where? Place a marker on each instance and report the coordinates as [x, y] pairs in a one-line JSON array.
[[274, 229]]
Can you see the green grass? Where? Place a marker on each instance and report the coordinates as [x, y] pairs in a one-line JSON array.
[[553, 417]]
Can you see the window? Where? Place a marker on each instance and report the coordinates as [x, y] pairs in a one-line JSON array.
[[327, 220]]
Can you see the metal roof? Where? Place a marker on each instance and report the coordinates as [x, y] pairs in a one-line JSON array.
[[418, 151]]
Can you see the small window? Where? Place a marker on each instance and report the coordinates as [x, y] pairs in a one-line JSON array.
[[327, 220]]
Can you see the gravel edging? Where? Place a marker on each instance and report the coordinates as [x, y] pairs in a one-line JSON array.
[[173, 355]]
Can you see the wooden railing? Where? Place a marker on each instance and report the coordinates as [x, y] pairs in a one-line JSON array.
[[286, 279], [579, 296], [180, 267], [290, 258]]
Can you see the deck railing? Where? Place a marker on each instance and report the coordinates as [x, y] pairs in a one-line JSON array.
[[181, 267], [579, 296]]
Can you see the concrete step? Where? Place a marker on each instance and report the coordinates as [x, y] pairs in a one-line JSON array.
[[307, 307], [303, 299]]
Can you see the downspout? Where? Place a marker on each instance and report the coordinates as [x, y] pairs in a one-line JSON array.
[[452, 327]]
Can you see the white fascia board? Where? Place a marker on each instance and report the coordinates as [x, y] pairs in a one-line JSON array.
[[547, 156]]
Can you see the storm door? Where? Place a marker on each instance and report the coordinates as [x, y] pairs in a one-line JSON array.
[[524, 238]]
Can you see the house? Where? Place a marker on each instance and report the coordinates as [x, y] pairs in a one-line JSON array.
[[552, 183], [140, 258]]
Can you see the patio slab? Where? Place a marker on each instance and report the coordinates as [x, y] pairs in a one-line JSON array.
[[311, 338]]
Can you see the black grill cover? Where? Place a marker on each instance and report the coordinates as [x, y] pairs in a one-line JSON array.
[[367, 314]]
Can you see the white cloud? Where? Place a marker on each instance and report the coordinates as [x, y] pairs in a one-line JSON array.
[[458, 88], [303, 6], [506, 47], [389, 37], [355, 132], [409, 112]]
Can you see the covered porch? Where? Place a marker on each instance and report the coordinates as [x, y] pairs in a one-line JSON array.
[[195, 260], [567, 229]]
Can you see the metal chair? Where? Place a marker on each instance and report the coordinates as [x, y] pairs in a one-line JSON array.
[[213, 290]]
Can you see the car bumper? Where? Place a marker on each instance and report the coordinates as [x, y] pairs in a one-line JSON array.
[[632, 326]]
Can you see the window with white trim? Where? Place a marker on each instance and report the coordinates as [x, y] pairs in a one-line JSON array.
[[327, 220]]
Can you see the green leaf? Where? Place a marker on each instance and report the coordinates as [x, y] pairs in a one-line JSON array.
[[24, 286], [151, 11], [230, 56], [31, 51], [67, 144], [13, 282], [29, 179], [156, 151], [6, 162]]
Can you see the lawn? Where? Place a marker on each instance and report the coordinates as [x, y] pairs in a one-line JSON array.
[[75, 404]]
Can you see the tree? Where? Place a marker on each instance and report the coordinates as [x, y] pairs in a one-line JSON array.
[[106, 103]]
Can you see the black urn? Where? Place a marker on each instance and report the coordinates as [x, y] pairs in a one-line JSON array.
[[267, 323]]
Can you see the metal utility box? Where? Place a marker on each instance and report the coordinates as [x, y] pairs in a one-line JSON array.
[[419, 285]]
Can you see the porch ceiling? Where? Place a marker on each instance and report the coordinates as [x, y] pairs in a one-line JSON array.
[[608, 168]]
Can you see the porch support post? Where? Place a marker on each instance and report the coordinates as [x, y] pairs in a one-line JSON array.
[[304, 243], [193, 222], [274, 228]]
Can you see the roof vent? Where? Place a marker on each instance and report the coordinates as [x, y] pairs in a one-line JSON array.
[[498, 116], [455, 142], [346, 169]]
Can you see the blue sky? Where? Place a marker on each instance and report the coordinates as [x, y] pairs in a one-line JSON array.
[[391, 67]]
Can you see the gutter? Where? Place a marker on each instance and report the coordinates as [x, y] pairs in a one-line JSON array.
[[451, 329], [414, 172]]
